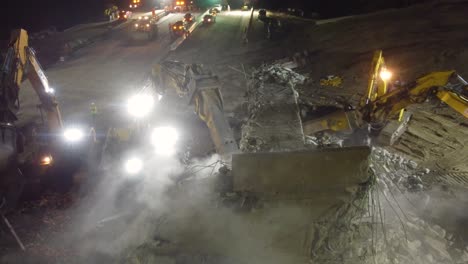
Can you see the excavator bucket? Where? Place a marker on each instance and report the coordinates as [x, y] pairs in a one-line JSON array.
[[301, 174]]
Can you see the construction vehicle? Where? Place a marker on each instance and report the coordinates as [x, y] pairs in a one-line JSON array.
[[246, 5], [189, 18], [147, 25], [178, 29], [179, 6], [209, 19], [124, 15], [135, 4], [36, 150], [385, 101], [289, 173]]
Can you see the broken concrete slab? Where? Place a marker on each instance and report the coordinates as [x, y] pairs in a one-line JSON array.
[[304, 174]]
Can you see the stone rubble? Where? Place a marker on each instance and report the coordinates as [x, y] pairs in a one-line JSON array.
[[379, 225], [274, 123], [375, 229]]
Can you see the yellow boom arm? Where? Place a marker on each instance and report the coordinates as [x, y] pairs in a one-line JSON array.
[[26, 65]]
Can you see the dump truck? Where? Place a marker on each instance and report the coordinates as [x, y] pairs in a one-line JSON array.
[[147, 26]]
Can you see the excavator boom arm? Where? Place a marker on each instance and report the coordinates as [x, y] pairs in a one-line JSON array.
[[380, 103], [199, 87], [24, 64]]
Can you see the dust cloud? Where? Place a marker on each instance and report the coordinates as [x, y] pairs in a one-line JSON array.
[[176, 211], [181, 213]]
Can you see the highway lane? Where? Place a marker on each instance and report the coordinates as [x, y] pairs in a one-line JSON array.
[[105, 73], [109, 70], [220, 46]]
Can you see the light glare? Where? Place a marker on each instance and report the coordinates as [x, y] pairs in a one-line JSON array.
[[49, 90], [164, 140], [73, 135], [46, 160], [133, 165], [385, 74], [140, 105]]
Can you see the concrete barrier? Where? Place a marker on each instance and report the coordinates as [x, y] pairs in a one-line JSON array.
[[245, 37]]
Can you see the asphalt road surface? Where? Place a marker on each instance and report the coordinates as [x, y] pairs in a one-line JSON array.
[[110, 70]]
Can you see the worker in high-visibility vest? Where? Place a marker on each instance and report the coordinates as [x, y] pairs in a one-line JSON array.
[[93, 109]]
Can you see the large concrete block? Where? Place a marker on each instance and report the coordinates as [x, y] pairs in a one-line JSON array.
[[301, 174]]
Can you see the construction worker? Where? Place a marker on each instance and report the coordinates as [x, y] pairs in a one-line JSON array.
[[93, 110]]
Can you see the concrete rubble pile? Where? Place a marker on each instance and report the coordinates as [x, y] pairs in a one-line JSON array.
[[274, 123], [380, 226]]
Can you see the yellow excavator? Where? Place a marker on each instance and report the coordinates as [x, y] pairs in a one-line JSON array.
[[32, 151], [301, 173], [385, 101]]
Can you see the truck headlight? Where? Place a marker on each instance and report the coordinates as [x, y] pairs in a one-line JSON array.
[[46, 160], [164, 139], [140, 105], [133, 166], [73, 135]]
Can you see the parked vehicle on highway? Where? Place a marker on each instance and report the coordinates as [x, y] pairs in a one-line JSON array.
[[135, 4], [217, 7], [144, 18], [179, 29], [189, 18], [147, 26], [179, 6], [124, 15], [209, 19]]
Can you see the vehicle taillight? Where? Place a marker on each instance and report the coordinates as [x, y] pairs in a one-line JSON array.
[[46, 160]]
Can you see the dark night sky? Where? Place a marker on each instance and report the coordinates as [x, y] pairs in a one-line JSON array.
[[35, 15]]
